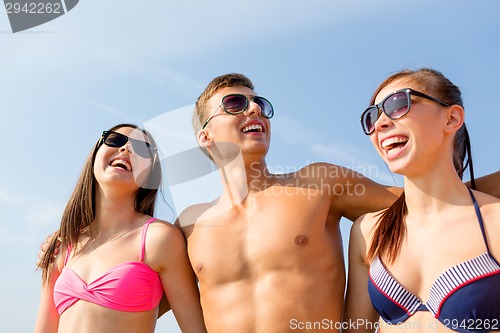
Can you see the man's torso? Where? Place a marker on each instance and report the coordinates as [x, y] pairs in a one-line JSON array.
[[273, 263]]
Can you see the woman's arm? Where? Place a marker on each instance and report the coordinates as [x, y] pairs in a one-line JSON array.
[[47, 320], [168, 256], [164, 306], [359, 314]]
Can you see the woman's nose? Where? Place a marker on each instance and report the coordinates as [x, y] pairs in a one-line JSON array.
[[383, 122], [126, 148]]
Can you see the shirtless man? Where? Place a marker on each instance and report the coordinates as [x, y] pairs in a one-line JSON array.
[[268, 252]]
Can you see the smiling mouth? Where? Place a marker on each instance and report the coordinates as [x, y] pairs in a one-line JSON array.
[[122, 164], [395, 142], [256, 128]]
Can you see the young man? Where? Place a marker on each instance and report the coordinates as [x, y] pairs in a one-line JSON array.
[[268, 252]]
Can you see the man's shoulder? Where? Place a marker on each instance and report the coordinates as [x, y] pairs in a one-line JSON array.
[[192, 213]]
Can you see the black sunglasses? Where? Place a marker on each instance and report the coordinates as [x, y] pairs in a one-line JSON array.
[[237, 104], [117, 140], [395, 106]]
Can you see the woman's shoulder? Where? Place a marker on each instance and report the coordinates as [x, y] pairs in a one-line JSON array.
[[368, 221], [164, 244], [162, 230], [363, 228]]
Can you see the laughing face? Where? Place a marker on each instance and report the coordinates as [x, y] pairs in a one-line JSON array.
[[414, 142], [248, 131], [120, 163]]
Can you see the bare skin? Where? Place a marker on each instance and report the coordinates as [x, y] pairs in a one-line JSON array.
[[271, 260]]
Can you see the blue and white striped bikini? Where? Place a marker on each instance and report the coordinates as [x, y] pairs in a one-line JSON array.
[[465, 298]]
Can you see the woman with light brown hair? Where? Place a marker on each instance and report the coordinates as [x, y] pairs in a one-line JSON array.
[[116, 260], [430, 262]]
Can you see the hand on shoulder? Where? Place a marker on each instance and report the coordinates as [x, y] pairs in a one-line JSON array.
[[490, 211]]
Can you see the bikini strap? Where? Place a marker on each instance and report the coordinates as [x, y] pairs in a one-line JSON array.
[[143, 238], [480, 219], [68, 252]]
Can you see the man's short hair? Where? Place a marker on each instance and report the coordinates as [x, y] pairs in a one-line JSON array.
[[223, 81], [227, 80]]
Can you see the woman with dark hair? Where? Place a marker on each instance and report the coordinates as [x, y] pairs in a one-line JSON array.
[[116, 260], [430, 262]]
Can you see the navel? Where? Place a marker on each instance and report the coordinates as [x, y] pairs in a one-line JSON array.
[[199, 268], [301, 240]]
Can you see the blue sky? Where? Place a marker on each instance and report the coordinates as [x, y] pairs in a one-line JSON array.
[[107, 62]]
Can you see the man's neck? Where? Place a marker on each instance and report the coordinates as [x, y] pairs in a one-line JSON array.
[[241, 176]]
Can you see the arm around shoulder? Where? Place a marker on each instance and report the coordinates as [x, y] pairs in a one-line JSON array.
[[489, 184], [355, 194]]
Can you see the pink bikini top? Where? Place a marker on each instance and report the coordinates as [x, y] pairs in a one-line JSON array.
[[132, 286]]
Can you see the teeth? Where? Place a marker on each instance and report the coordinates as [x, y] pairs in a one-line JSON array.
[[394, 139], [252, 127], [121, 163]]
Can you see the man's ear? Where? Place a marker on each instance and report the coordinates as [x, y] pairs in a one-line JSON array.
[[455, 118], [203, 139]]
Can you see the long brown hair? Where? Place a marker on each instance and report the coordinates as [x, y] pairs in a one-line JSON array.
[[391, 229], [79, 213]]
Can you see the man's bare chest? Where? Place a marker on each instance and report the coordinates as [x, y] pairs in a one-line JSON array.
[[274, 236]]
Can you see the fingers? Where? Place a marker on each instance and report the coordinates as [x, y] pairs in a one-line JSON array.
[[44, 247]]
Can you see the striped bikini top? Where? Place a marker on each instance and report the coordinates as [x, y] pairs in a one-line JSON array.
[[465, 298]]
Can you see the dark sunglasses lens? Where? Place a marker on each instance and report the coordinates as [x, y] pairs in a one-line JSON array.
[[142, 148], [396, 105], [265, 106], [115, 140], [368, 119], [235, 103]]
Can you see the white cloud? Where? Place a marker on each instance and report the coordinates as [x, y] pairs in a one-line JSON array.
[[28, 220], [7, 236], [44, 214], [9, 199]]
